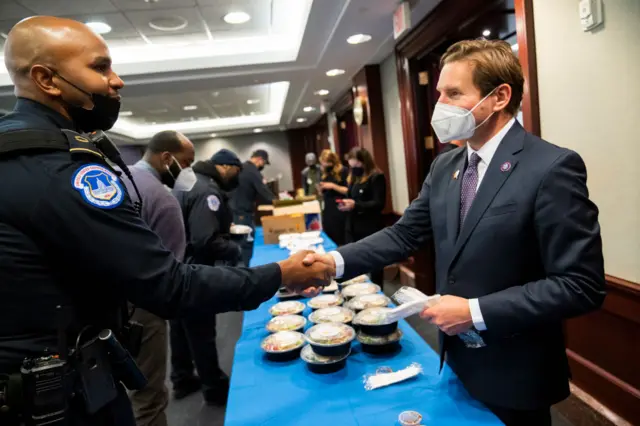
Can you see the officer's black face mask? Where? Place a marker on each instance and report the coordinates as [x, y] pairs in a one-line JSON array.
[[261, 168], [231, 182], [103, 115], [170, 175]]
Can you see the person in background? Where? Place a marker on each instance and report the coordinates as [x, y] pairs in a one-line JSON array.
[[167, 159], [251, 190], [333, 187], [311, 175], [446, 147], [365, 200], [207, 218]]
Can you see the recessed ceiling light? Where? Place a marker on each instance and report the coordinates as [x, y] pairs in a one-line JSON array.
[[322, 92], [358, 38], [168, 23], [252, 113], [236, 18], [190, 107], [308, 109], [99, 27], [486, 33], [215, 94], [253, 101], [158, 111], [125, 113], [257, 130], [335, 72], [213, 135], [301, 120]]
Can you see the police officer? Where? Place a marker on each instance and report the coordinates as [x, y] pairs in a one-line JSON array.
[[251, 189], [71, 238], [207, 218]]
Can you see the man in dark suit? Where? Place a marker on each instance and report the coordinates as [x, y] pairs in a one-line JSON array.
[[517, 240]]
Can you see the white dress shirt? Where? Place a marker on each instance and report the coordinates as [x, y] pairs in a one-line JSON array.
[[486, 153]]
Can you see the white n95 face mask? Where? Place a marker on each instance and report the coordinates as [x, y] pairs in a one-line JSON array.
[[452, 122], [186, 180]]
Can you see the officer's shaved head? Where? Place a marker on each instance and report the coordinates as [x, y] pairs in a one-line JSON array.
[[41, 48], [169, 144]]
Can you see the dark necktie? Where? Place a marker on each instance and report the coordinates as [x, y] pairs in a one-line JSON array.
[[469, 186]]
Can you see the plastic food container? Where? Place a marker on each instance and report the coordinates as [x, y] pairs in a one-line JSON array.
[[360, 289], [331, 339], [290, 307], [372, 321], [366, 301], [286, 323], [332, 314], [323, 364], [380, 344], [283, 345], [358, 279], [332, 288], [325, 301], [410, 418]]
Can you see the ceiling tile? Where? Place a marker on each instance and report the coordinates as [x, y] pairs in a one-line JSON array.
[[9, 9], [67, 7], [130, 5]]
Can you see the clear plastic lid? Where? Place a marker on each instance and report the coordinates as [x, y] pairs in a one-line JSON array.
[[325, 301], [332, 314], [283, 341], [330, 334], [379, 340], [286, 323], [360, 289], [290, 307], [372, 316], [367, 301], [358, 279], [309, 356]]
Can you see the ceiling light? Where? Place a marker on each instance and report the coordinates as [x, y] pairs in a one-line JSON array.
[[125, 114], [335, 72], [253, 101], [190, 107], [322, 92], [252, 113], [486, 33], [168, 23], [215, 94], [213, 135], [257, 130], [358, 38], [308, 109], [99, 27], [236, 18], [301, 120], [158, 111]]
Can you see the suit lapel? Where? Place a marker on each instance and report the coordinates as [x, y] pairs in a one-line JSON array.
[[453, 198], [502, 165]]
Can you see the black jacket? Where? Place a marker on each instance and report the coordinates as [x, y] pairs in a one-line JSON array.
[[60, 245], [366, 217], [251, 189], [207, 218]]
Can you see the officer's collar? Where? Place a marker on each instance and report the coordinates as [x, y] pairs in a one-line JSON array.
[[30, 106]]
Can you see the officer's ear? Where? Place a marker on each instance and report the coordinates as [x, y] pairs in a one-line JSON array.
[[167, 158], [43, 78]]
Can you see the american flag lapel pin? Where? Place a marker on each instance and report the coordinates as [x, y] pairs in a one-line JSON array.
[[455, 174]]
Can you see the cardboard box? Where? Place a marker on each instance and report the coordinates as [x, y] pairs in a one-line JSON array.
[[310, 209], [274, 226]]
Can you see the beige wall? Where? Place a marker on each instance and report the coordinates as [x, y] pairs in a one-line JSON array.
[[589, 85], [393, 127]]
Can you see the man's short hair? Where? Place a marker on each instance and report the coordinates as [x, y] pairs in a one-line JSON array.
[[165, 141], [494, 63]]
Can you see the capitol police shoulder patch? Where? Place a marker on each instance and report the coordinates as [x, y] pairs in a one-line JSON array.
[[99, 186], [213, 202]]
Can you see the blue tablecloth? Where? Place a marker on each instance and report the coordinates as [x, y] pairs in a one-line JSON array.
[[268, 393]]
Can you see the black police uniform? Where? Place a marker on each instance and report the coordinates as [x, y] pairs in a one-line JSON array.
[[207, 217], [70, 236], [366, 217]]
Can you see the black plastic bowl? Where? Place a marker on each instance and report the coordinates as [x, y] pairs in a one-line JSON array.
[[338, 350], [324, 366], [283, 356], [381, 349], [327, 368], [378, 330]]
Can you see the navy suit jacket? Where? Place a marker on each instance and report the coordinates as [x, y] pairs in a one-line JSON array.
[[530, 251]]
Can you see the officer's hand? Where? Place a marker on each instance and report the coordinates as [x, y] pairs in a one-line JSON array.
[[298, 277]]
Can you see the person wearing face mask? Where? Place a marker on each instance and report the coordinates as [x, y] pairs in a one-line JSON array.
[[311, 175], [517, 241], [364, 201], [333, 187], [207, 218], [74, 249], [251, 191], [166, 163]]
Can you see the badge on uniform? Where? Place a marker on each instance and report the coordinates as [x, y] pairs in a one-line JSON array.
[[99, 186], [213, 202]]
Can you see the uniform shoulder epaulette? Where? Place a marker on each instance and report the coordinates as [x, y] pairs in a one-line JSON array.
[[79, 144]]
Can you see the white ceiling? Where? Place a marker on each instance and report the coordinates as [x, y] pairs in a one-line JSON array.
[[277, 60]]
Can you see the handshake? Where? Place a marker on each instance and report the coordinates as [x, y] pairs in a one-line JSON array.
[[307, 272]]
